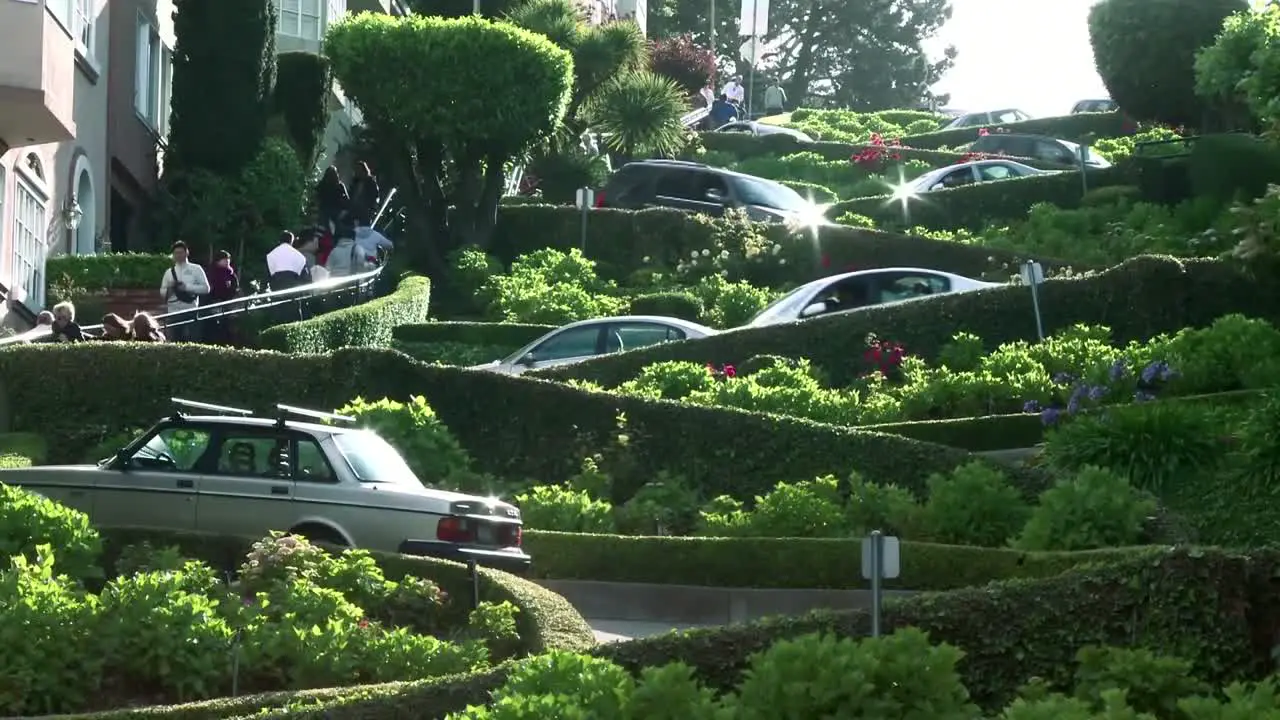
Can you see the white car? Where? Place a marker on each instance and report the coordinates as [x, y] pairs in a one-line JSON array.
[[227, 471], [859, 289], [978, 171], [759, 129], [586, 339], [987, 119]]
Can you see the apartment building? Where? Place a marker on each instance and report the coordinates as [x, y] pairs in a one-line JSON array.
[[53, 142]]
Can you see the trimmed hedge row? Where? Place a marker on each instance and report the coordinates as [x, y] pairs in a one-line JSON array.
[[1217, 610], [513, 426], [748, 146], [368, 324], [1015, 431], [979, 205], [108, 271], [546, 621], [19, 450], [620, 240], [1138, 299], [785, 562], [1081, 126], [470, 333]]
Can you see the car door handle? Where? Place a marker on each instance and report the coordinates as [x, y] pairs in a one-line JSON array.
[[279, 489], [186, 483]]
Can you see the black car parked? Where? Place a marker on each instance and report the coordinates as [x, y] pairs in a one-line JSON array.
[[1037, 147], [701, 188]]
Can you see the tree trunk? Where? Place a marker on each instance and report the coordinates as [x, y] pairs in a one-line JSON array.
[[802, 69]]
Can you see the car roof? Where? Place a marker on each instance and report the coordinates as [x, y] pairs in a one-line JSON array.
[[694, 166], [266, 422], [876, 271], [674, 321]]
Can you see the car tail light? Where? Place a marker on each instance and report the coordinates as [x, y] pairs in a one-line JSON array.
[[599, 198], [452, 529], [515, 535]]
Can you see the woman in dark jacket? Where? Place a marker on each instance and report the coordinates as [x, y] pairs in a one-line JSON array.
[[365, 195], [331, 197]]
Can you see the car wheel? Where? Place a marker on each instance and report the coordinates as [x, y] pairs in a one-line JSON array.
[[321, 534]]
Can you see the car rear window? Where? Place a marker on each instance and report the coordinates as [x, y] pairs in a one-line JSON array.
[[754, 191]]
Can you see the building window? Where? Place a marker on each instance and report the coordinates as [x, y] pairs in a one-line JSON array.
[[301, 18], [62, 11], [29, 222], [150, 79], [84, 27]]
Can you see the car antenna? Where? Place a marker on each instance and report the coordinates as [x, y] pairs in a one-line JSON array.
[[287, 410], [183, 405]]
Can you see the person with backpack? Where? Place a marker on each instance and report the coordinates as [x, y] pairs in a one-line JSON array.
[[182, 287]]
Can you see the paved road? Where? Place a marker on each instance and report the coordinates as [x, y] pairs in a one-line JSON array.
[[620, 630]]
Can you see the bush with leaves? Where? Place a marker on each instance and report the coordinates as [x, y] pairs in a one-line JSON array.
[[975, 505], [29, 520], [553, 507], [414, 429], [1095, 508], [552, 287], [681, 59], [811, 508]]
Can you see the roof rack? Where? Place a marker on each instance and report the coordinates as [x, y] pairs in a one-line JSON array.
[[181, 405], [287, 410]]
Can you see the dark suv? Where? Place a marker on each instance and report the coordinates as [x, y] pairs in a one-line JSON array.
[[1037, 147], [704, 189]]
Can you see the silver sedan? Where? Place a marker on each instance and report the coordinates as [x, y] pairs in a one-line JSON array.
[[586, 339]]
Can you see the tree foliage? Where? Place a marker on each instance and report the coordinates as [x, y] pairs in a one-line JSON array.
[[1145, 51], [866, 55], [686, 62], [301, 98], [452, 102], [224, 64], [1242, 66], [639, 112]]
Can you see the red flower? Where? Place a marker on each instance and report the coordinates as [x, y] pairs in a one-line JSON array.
[[364, 623], [730, 371]]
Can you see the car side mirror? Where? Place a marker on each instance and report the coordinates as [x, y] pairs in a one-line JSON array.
[[715, 195], [815, 309]]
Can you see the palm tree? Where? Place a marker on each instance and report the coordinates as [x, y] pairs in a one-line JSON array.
[[639, 112]]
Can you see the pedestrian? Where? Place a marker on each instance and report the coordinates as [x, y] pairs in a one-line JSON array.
[[64, 325], [775, 99], [182, 287], [286, 265], [224, 286], [722, 112], [734, 91], [332, 199], [365, 195]]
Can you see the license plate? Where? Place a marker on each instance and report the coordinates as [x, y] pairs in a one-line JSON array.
[[486, 534]]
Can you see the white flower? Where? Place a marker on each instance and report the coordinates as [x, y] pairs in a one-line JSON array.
[[706, 253], [777, 249], [783, 261], [645, 259], [724, 273], [724, 254], [693, 254]]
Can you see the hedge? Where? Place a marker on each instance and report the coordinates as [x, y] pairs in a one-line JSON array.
[[980, 205], [19, 450], [107, 271], [793, 563], [1015, 431], [748, 146], [369, 324], [514, 427], [1138, 299], [1213, 608], [620, 240], [471, 333], [1078, 127], [546, 621]]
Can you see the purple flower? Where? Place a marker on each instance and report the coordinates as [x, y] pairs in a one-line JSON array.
[[1118, 369], [1030, 406], [1158, 370], [1097, 392], [1049, 416], [1143, 396]]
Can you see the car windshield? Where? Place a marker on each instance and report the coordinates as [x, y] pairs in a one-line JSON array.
[[372, 459], [771, 195], [783, 307]]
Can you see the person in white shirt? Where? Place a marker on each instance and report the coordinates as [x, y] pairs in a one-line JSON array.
[[708, 95], [182, 287], [734, 90], [286, 265]]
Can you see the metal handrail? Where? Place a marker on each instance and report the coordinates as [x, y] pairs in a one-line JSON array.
[[694, 117], [235, 306]]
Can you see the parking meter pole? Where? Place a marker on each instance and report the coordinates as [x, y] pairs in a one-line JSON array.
[[877, 571]]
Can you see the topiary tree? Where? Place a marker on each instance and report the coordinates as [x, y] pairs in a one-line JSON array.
[[689, 64], [451, 102], [1241, 69], [303, 82], [224, 66], [1145, 52]]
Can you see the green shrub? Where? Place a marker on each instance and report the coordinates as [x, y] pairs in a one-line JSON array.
[[805, 509], [471, 333], [107, 271], [29, 520], [369, 324], [888, 508], [1096, 508], [22, 450], [467, 287], [553, 288], [813, 192], [415, 430], [683, 305], [1151, 683], [975, 505], [552, 507], [1082, 126], [454, 353], [301, 100]]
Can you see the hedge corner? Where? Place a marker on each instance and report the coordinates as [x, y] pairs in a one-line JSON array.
[[19, 450], [369, 324]]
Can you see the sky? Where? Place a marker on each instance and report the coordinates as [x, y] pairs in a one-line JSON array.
[[1033, 55]]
